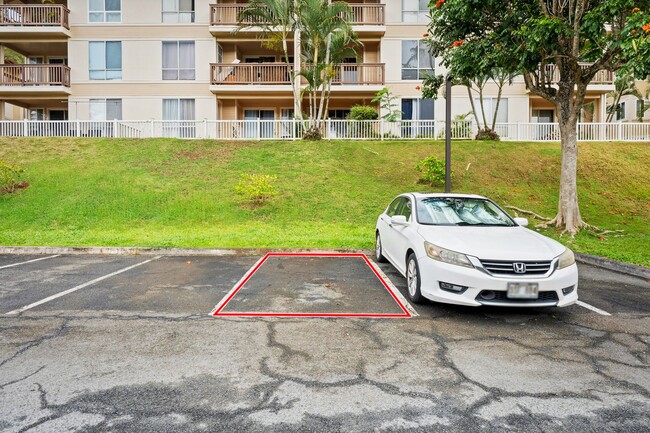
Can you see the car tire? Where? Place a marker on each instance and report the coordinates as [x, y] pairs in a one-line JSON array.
[[413, 282], [379, 252]]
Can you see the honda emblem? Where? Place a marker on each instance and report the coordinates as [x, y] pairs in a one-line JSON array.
[[519, 268]]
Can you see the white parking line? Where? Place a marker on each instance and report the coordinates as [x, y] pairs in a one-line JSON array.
[[592, 308], [393, 289], [29, 261], [237, 284], [81, 286]]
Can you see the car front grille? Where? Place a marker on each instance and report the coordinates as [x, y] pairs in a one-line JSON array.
[[502, 298], [507, 267]]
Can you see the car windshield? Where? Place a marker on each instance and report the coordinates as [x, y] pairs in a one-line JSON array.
[[460, 211]]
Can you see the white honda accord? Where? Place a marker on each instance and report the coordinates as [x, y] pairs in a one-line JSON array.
[[464, 249]]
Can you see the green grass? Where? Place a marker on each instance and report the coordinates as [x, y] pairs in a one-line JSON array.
[[166, 192]]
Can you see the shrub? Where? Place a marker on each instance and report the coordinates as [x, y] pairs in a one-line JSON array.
[[432, 169], [362, 112], [10, 178], [256, 188], [487, 134]]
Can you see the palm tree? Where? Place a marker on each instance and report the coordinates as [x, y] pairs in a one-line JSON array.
[[278, 20], [327, 39]]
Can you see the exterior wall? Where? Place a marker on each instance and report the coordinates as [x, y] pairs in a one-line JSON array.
[[142, 88]]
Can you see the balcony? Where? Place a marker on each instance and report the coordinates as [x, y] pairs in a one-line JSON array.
[[279, 74], [601, 77], [18, 22], [364, 17], [34, 80]]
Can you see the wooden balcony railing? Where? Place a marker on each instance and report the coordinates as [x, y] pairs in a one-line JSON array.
[[34, 75], [367, 14], [601, 77], [359, 73], [362, 14], [251, 73], [279, 73], [34, 16]]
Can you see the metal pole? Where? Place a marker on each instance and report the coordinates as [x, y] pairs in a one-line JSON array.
[[448, 134]]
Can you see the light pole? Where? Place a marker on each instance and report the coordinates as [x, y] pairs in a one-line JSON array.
[[448, 134]]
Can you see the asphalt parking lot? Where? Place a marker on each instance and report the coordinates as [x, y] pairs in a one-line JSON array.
[[128, 343]]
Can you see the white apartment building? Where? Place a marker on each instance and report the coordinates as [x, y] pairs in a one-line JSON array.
[[181, 60]]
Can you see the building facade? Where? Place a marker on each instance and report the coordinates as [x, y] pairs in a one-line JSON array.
[[182, 60]]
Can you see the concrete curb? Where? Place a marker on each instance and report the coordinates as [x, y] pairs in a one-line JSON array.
[[601, 262], [158, 251], [613, 265]]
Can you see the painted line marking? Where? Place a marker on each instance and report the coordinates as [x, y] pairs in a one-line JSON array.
[[592, 308], [79, 287], [237, 286], [217, 311], [396, 293], [29, 261]]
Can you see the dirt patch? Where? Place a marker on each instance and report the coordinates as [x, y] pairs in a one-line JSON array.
[[184, 154], [15, 187]]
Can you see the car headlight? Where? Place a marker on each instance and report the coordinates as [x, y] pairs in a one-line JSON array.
[[566, 259], [447, 256]]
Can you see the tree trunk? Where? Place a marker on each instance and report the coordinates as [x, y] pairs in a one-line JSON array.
[[568, 212]]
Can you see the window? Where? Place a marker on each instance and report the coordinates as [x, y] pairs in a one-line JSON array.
[[641, 107], [490, 105], [105, 60], [620, 111], [177, 11], [219, 54], [36, 114], [179, 114], [415, 11], [105, 109], [178, 60], [405, 209], [104, 11], [392, 208], [418, 109], [416, 60]]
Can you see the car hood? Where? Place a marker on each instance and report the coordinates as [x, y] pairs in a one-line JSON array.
[[496, 243]]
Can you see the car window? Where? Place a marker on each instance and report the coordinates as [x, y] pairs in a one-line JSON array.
[[392, 208], [405, 208], [461, 211]]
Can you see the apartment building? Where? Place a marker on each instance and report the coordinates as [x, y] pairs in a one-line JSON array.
[[634, 108], [182, 60]]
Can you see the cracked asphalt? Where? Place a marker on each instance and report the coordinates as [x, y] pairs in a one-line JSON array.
[[137, 351]]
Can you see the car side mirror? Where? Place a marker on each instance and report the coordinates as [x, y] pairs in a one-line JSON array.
[[522, 222], [398, 220]]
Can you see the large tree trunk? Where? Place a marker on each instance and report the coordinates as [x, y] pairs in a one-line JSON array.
[[568, 212]]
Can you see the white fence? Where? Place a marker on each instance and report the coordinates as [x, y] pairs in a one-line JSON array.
[[331, 129]]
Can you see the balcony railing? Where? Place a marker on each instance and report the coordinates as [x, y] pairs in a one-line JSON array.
[[601, 77], [279, 73], [367, 14], [34, 16], [251, 73], [34, 75], [362, 14]]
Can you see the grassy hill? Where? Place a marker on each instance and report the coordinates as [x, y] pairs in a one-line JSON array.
[[167, 192]]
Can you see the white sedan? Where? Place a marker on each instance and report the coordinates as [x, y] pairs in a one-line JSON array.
[[464, 249]]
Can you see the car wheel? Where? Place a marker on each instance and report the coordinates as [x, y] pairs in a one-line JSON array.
[[379, 253], [413, 282]]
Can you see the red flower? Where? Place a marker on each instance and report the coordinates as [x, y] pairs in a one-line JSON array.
[[458, 43], [646, 28], [439, 3], [417, 87]]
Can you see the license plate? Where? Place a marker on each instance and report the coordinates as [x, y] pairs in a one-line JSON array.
[[523, 290]]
